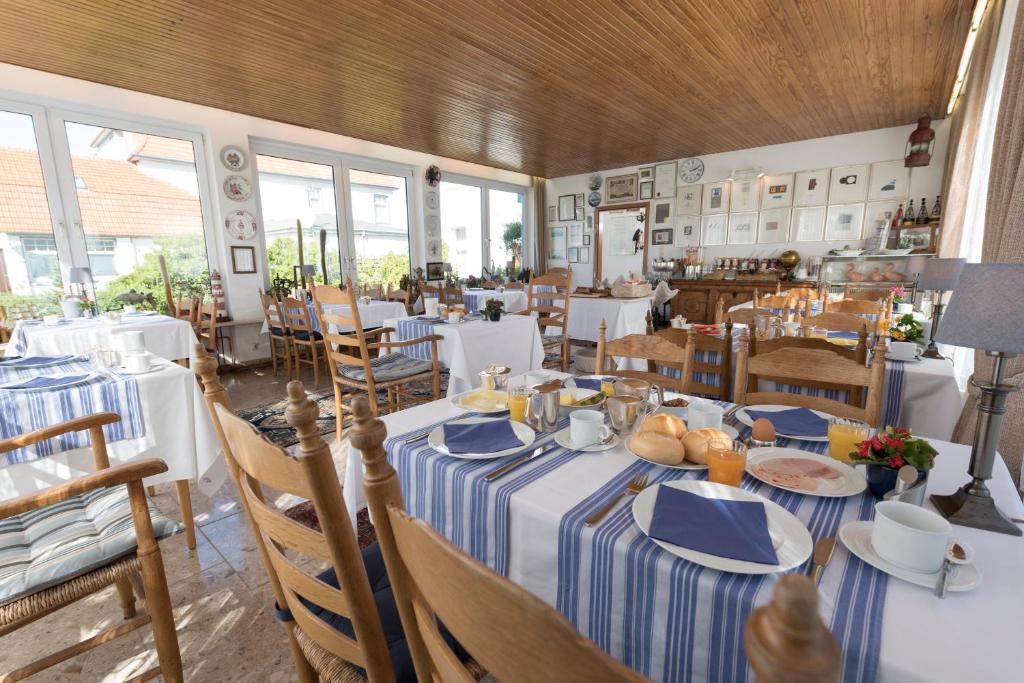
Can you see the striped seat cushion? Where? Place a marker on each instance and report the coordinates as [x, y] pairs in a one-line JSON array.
[[387, 367], [48, 546], [551, 339]]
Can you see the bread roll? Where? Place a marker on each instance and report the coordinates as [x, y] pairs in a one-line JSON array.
[[657, 447], [663, 423], [696, 443]]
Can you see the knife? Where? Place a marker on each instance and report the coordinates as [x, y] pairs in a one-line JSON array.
[[521, 460], [732, 411], [822, 554]]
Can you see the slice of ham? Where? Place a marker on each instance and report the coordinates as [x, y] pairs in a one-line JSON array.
[[795, 473]]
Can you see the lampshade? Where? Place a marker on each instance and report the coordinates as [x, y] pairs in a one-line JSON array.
[[985, 312], [941, 274], [309, 269], [79, 276]]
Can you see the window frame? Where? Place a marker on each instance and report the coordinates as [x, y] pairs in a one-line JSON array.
[[485, 210]]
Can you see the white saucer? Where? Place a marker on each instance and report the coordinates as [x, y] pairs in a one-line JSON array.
[[856, 536], [525, 434], [152, 368], [563, 440]]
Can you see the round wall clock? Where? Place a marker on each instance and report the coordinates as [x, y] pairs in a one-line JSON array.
[[233, 158], [237, 188], [691, 170], [433, 176], [240, 224], [433, 200], [595, 182], [594, 198]]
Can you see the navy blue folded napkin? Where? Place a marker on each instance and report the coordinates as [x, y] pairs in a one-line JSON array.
[[794, 422], [45, 382], [843, 334], [736, 529], [593, 383], [33, 361], [480, 437]]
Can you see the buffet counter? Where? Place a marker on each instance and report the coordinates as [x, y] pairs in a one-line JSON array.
[[697, 298]]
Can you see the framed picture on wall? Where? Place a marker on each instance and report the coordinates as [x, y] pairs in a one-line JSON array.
[[665, 180], [567, 207], [663, 213], [552, 213], [874, 213], [662, 237], [575, 235], [808, 223], [843, 222], [773, 226], [889, 180], [556, 243], [687, 231], [716, 198], [647, 173], [688, 201], [810, 188], [621, 188], [646, 189], [580, 199], [584, 254], [713, 229], [849, 184], [745, 195], [777, 191], [243, 260], [435, 270], [586, 240], [743, 227], [579, 213], [574, 255]]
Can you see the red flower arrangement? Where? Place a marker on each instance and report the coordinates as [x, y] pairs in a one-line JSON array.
[[894, 448]]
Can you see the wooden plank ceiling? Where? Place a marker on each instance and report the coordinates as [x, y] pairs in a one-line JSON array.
[[548, 88]]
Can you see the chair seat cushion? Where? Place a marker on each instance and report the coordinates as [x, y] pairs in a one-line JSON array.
[[278, 332], [48, 546], [303, 335], [387, 367], [380, 584], [551, 339]]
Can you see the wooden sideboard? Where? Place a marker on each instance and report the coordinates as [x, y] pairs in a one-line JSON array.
[[697, 298]]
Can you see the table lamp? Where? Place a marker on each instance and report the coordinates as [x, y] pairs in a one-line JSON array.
[[939, 276], [985, 314]]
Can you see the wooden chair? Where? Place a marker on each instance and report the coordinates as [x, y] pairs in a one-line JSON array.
[[514, 635], [331, 618], [186, 308], [876, 312], [304, 335], [552, 309], [67, 501], [803, 362], [656, 350], [403, 296], [692, 342], [277, 328], [862, 294], [515, 284], [746, 316], [846, 322], [376, 292], [392, 371]]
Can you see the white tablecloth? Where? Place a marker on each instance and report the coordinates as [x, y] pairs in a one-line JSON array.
[[163, 335], [469, 347], [966, 636], [514, 299], [621, 316], [371, 315], [178, 431]]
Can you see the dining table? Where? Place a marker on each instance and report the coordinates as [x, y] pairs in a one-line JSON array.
[[621, 317], [167, 337], [469, 346], [513, 300]]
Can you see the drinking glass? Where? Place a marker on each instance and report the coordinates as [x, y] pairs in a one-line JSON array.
[[843, 436], [608, 386], [517, 399], [701, 414], [727, 463]]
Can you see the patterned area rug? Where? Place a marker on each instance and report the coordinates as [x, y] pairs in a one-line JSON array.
[[305, 514]]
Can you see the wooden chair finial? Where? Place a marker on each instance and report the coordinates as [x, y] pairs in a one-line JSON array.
[[301, 415], [206, 367], [368, 434], [786, 639]]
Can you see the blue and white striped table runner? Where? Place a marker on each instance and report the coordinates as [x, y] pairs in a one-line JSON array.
[[414, 328]]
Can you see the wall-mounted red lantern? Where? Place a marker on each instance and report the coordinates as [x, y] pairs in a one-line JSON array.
[[919, 144]]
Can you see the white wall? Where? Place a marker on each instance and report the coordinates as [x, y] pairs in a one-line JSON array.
[[221, 128], [855, 148]]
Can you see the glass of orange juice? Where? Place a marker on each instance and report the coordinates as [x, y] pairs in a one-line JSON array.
[[726, 463], [843, 436], [608, 386], [517, 398]]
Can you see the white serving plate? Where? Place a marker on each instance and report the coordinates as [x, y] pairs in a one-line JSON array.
[[10, 385], [563, 439], [152, 368], [742, 416], [850, 484], [465, 402], [525, 434], [794, 549], [578, 394], [686, 464], [856, 536]]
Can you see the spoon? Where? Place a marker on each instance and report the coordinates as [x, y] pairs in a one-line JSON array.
[[956, 553]]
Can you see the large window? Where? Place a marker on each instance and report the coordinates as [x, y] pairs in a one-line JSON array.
[[380, 226], [505, 231], [481, 227], [462, 228]]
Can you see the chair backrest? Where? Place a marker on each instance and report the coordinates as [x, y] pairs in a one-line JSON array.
[[803, 362], [847, 322], [784, 301], [513, 634], [272, 312], [402, 295], [207, 320], [548, 297], [342, 348], [859, 353], [658, 353], [515, 284], [862, 294], [856, 307], [745, 316], [694, 343], [296, 314], [308, 473]]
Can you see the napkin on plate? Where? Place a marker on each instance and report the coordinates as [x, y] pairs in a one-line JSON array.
[[843, 334], [46, 382], [794, 422], [736, 529], [592, 383], [480, 437], [33, 361]]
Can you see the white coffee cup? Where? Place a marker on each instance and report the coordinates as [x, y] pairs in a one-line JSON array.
[[430, 307], [136, 362], [454, 316], [900, 350], [129, 309], [903, 309], [703, 414], [910, 536], [51, 319], [587, 427]]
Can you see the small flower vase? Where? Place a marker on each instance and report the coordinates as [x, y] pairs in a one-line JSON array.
[[494, 317], [882, 479]]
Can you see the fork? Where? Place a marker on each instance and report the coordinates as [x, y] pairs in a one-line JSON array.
[[635, 486]]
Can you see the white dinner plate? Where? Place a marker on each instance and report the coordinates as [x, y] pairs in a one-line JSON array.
[[742, 416], [525, 434], [856, 536], [563, 439], [152, 368], [10, 385], [793, 551], [850, 483], [686, 464], [578, 394], [475, 401]]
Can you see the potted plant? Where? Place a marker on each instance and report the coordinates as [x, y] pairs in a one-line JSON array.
[[885, 453], [906, 328], [493, 309]]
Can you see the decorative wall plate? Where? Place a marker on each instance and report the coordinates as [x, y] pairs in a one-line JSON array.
[[434, 248], [237, 188], [240, 224], [594, 198], [433, 176], [594, 183], [433, 200], [691, 170], [433, 224], [233, 158]]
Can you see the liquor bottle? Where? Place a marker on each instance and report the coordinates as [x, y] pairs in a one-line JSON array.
[[936, 210], [922, 212], [908, 217], [897, 218]]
